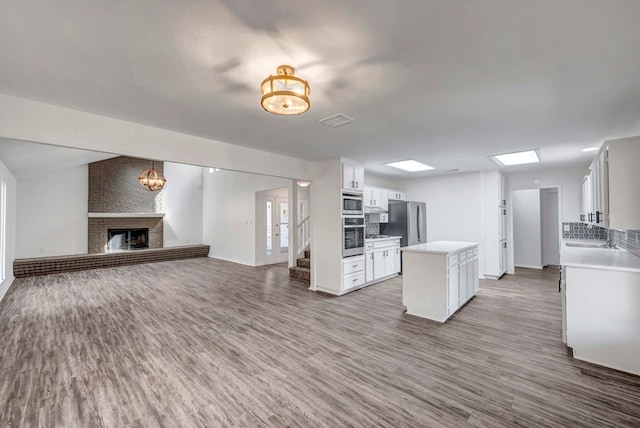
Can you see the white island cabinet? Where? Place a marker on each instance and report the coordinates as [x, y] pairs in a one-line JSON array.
[[438, 278]]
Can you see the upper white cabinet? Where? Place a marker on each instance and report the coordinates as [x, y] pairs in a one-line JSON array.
[[378, 198], [610, 196], [396, 196], [352, 177]]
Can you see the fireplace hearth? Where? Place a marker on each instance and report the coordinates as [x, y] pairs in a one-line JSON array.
[[127, 239]]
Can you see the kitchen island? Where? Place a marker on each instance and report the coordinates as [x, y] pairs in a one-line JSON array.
[[439, 277]]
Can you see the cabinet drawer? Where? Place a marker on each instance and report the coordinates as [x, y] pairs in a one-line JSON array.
[[352, 265], [452, 260], [353, 280], [396, 243], [462, 257], [383, 244], [475, 252], [368, 246]]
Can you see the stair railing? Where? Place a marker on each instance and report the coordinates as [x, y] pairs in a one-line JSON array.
[[303, 229]]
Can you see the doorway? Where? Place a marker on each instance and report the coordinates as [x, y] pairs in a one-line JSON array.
[[273, 233], [536, 227]]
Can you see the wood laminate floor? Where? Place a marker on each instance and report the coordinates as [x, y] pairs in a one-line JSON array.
[[207, 343]]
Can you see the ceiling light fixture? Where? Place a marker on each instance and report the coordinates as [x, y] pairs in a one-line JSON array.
[[284, 93], [151, 179], [410, 165], [518, 158], [304, 183], [590, 149]]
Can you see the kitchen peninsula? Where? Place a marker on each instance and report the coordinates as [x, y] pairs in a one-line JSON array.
[[439, 277]]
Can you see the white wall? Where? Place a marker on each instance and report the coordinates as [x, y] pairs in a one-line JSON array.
[[229, 212], [52, 214], [454, 207], [526, 228], [570, 182], [378, 180], [10, 228], [27, 120], [183, 204]]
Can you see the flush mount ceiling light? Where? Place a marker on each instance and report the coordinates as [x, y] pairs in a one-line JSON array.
[[590, 149], [304, 183], [285, 94], [410, 165], [518, 158], [151, 179]]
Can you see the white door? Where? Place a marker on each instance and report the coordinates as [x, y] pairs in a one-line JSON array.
[[276, 229], [368, 263], [390, 262], [378, 264], [453, 281]]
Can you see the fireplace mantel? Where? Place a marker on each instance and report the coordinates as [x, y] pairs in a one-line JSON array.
[[126, 215]]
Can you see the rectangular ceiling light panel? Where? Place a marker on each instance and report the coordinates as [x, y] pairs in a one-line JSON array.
[[518, 158], [410, 165]]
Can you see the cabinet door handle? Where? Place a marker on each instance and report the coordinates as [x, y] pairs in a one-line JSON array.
[[355, 266], [353, 185], [356, 185], [598, 216], [355, 279]]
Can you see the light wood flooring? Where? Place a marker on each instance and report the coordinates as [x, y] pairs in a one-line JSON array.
[[210, 343]]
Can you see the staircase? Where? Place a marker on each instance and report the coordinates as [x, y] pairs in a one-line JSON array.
[[303, 269]]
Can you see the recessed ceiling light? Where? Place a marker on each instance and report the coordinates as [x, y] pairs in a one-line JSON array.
[[590, 149], [213, 169], [518, 158], [410, 165]]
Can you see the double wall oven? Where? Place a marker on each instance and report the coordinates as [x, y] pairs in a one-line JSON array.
[[352, 236]]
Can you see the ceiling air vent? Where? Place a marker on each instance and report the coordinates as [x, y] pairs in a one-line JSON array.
[[336, 120], [453, 170]]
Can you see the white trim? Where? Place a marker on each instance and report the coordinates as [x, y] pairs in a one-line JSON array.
[[5, 285], [529, 267], [511, 256], [125, 215]]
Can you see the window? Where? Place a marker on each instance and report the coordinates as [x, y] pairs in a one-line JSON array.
[[3, 222]]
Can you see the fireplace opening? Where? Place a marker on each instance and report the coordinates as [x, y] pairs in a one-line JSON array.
[[127, 239]]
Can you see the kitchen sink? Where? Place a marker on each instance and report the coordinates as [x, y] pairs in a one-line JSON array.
[[587, 245]]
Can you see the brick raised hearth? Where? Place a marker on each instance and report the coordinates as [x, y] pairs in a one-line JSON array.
[[59, 264]]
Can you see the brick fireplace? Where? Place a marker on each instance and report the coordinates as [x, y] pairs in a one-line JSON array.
[[117, 201]]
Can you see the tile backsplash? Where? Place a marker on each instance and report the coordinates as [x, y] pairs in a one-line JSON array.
[[627, 239], [583, 231], [372, 229]]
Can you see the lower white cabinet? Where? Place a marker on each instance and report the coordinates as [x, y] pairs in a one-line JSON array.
[[502, 251], [353, 272], [382, 259]]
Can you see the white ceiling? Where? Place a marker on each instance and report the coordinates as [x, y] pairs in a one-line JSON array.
[[28, 160], [444, 82]]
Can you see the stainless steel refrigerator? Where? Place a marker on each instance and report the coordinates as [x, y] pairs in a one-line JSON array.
[[408, 220]]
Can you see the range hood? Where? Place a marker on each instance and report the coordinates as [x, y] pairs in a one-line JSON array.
[[374, 210]]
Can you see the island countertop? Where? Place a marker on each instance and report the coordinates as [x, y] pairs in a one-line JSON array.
[[439, 247]]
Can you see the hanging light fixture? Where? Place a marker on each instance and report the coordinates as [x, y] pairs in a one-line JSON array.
[[285, 93], [151, 179]]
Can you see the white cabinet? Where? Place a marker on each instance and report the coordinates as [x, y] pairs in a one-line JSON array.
[[396, 196], [494, 223], [437, 282], [382, 259], [376, 198], [353, 272], [452, 289], [462, 279], [352, 177], [503, 257], [368, 264], [586, 211]]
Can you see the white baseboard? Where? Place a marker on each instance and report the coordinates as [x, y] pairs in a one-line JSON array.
[[4, 286], [530, 267]]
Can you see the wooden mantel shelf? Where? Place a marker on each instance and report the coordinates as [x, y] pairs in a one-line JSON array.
[[125, 215]]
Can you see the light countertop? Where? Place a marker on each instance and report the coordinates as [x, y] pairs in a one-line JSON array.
[[440, 247], [389, 238], [598, 258]]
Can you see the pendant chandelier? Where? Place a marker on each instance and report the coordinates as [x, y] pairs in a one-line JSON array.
[[151, 179], [285, 93]]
